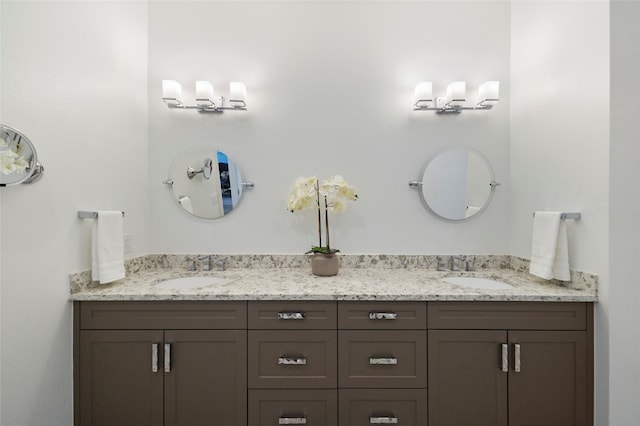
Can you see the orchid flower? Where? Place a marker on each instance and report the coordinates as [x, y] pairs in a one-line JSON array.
[[332, 194]]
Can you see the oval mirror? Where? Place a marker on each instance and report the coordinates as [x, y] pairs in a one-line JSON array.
[[18, 158], [206, 183], [456, 184]]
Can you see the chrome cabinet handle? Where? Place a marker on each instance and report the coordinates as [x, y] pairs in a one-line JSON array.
[[154, 358], [383, 420], [291, 315], [505, 358], [167, 357], [383, 361], [382, 315], [292, 421], [283, 360], [517, 365]]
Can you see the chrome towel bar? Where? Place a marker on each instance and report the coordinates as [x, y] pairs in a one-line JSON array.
[[89, 215], [565, 216]]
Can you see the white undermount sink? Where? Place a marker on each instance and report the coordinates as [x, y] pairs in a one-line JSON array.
[[477, 283], [191, 282]]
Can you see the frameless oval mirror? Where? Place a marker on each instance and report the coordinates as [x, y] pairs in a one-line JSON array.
[[206, 183], [456, 184], [18, 158]]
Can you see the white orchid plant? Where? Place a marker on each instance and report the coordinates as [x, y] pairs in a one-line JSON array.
[[329, 195], [12, 159]]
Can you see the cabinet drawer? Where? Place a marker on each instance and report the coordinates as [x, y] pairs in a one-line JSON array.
[[366, 407], [382, 315], [292, 315], [382, 359], [507, 315], [292, 359], [167, 315], [293, 407]]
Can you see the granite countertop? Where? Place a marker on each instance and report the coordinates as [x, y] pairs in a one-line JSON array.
[[293, 281]]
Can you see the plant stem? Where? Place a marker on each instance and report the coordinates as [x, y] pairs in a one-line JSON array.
[[319, 214], [326, 222]]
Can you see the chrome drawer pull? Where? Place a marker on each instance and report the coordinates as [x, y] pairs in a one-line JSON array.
[[517, 363], [383, 420], [291, 315], [292, 361], [154, 358], [292, 421], [167, 357], [505, 358], [383, 361], [383, 315]]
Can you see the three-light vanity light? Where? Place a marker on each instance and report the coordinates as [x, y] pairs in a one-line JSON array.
[[206, 101], [453, 101]]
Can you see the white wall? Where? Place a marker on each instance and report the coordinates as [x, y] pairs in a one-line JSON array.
[[624, 204], [74, 80], [330, 88], [559, 139]]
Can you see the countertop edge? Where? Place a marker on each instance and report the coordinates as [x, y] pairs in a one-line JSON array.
[[323, 297]]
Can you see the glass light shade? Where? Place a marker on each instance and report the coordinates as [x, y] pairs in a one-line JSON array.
[[237, 93], [489, 92], [204, 93], [423, 94], [171, 92], [456, 91]]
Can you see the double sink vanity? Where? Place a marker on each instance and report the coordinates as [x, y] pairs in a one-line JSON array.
[[389, 340]]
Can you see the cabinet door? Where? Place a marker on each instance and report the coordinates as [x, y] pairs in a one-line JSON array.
[[466, 381], [205, 377], [548, 381], [118, 382]]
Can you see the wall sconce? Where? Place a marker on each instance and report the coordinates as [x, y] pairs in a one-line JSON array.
[[455, 97], [205, 99]]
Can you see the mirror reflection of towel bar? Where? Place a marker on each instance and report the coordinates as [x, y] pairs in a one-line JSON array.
[[90, 215], [572, 215]]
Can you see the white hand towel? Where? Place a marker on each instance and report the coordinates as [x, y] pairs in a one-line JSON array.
[[549, 247], [107, 247]]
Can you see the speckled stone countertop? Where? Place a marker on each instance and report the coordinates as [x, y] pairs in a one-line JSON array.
[[361, 277]]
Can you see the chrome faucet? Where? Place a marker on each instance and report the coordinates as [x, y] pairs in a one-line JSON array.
[[193, 267], [453, 264], [206, 266], [221, 264], [468, 265]]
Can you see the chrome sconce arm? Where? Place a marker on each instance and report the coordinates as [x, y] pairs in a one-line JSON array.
[[456, 95], [212, 106], [205, 99]]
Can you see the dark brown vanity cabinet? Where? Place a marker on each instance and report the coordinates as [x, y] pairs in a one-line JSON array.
[[515, 364], [328, 363], [160, 363]]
